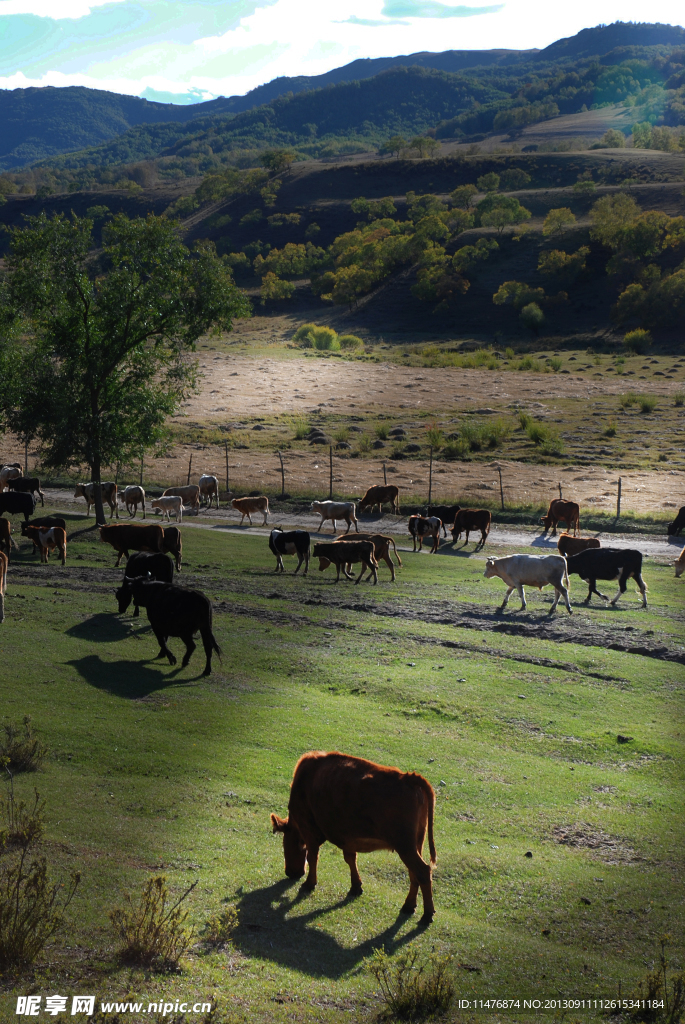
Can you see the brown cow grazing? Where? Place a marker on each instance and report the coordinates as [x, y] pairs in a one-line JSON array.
[[27, 485], [468, 519], [109, 495], [3, 583], [567, 545], [560, 509], [344, 553], [246, 506], [173, 544], [6, 537], [381, 495], [132, 538], [189, 495], [680, 564], [46, 539], [381, 549], [420, 527], [360, 807]]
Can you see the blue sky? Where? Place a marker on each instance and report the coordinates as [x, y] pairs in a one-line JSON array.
[[188, 50]]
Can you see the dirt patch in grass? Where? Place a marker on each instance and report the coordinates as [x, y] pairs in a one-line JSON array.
[[600, 844]]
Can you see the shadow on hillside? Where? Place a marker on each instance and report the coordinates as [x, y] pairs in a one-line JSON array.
[[266, 931], [129, 679]]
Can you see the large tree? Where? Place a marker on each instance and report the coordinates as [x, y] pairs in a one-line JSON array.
[[102, 337]]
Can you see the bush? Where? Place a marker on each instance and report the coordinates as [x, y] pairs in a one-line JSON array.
[[434, 436], [349, 342], [637, 341], [300, 427], [412, 989], [509, 353], [151, 932], [381, 431], [555, 363], [679, 398], [275, 289], [364, 443], [488, 182], [530, 363], [312, 336], [625, 401], [610, 429], [537, 432], [21, 750], [532, 317], [220, 927], [647, 403], [342, 434], [458, 449], [32, 908], [525, 419], [553, 445]]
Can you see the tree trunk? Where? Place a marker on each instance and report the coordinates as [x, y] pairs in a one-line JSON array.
[[97, 492]]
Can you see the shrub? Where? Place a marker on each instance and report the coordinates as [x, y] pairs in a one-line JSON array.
[[325, 339], [626, 401], [509, 353], [364, 443], [434, 436], [474, 435], [637, 341], [611, 429], [381, 431], [667, 992], [552, 445], [32, 908], [413, 989], [275, 289], [342, 434], [349, 342], [21, 750], [537, 432], [458, 449], [530, 363], [532, 317], [679, 398], [488, 182], [300, 427], [220, 927], [647, 403], [151, 932], [525, 420], [303, 332], [555, 363]]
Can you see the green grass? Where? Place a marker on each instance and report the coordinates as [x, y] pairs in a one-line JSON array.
[[156, 770]]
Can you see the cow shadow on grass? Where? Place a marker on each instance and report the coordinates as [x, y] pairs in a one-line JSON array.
[[103, 628], [266, 931], [131, 680]]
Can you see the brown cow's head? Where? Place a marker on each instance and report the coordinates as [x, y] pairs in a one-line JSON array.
[[546, 522], [323, 563], [294, 850], [679, 567]]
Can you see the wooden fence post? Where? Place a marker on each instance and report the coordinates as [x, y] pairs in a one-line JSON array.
[[142, 459], [282, 475], [190, 466], [26, 456], [228, 489], [330, 484], [559, 486], [501, 489], [385, 475], [430, 476], [618, 500]]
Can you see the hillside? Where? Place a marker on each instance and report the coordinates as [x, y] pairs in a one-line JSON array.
[[465, 93]]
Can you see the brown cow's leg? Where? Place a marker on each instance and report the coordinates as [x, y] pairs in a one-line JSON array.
[[313, 862], [419, 876], [388, 561], [355, 878]]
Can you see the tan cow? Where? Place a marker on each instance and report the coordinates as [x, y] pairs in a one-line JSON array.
[[3, 582], [381, 495], [209, 488], [168, 504], [334, 510], [246, 506], [381, 549], [132, 497], [190, 495], [109, 496], [9, 472], [567, 545], [680, 564]]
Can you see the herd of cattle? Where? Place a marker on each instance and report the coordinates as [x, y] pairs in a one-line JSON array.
[[176, 611]]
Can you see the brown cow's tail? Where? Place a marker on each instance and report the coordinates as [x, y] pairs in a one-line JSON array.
[[431, 812], [399, 560]]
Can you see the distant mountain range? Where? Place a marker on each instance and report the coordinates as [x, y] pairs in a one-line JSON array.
[[38, 124]]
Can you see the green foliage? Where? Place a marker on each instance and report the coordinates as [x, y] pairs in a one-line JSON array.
[[469, 256], [513, 179], [273, 289], [463, 196], [424, 145], [488, 182], [532, 317], [293, 260], [313, 336], [558, 221], [626, 401], [610, 430], [517, 294], [555, 363], [152, 931], [413, 989], [102, 365], [565, 266], [269, 193], [649, 136], [612, 139], [647, 404], [21, 750], [679, 399], [436, 279], [434, 436], [350, 343], [32, 907], [219, 929], [382, 430], [341, 434], [499, 211], [395, 144], [253, 217], [637, 341], [609, 217], [277, 160], [312, 231], [585, 187], [300, 426], [658, 301], [278, 220], [476, 435]]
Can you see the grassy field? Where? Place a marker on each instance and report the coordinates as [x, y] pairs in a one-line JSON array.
[[514, 719]]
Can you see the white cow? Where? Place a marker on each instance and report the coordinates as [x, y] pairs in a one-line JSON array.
[[10, 472], [336, 510], [132, 497], [532, 571], [109, 495], [168, 504], [209, 488]]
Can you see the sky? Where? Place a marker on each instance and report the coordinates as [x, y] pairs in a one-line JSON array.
[[185, 51]]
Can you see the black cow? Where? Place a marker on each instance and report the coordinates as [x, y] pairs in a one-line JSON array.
[[46, 521], [608, 564], [27, 485], [173, 543], [175, 611], [150, 565], [678, 523], [445, 513], [296, 542], [17, 503]]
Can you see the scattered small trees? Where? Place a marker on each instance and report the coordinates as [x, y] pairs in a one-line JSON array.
[[395, 145], [424, 145], [562, 265], [558, 221], [463, 196], [488, 182], [514, 179], [274, 289], [517, 294], [277, 160]]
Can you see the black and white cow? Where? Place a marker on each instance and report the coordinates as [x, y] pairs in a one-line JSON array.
[[296, 542], [608, 564]]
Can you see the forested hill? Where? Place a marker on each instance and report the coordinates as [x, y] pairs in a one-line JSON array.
[[43, 123]]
